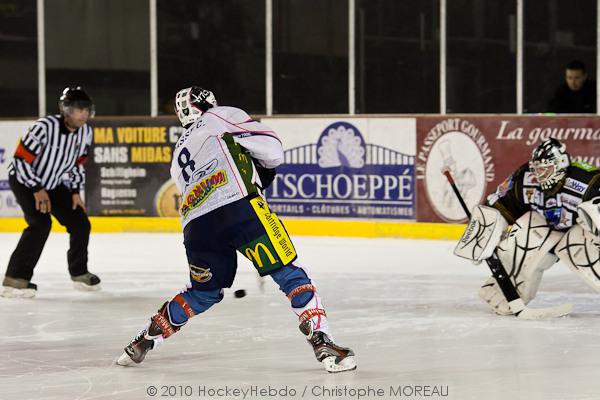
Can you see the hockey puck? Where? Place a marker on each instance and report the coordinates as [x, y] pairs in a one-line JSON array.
[[239, 293]]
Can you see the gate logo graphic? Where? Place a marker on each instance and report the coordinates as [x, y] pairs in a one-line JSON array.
[[343, 176]]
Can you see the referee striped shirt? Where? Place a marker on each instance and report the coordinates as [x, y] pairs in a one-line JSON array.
[[48, 155]]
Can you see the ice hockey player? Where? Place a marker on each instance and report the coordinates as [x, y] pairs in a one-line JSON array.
[[547, 210], [221, 164]]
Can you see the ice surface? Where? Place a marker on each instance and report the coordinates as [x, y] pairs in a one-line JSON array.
[[408, 308]]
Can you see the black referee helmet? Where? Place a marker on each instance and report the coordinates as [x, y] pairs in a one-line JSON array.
[[75, 97]]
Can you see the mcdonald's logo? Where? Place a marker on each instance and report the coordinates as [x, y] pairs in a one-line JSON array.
[[254, 255], [242, 157]]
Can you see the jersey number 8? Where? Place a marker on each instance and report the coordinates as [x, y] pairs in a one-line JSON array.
[[185, 161]]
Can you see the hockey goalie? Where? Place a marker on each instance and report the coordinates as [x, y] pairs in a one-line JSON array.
[[547, 210]]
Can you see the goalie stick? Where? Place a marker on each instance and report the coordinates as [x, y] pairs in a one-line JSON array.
[[516, 304]]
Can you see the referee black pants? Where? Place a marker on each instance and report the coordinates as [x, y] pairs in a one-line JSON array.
[[30, 246]]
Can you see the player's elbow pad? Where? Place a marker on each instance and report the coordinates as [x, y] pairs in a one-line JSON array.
[[272, 161]]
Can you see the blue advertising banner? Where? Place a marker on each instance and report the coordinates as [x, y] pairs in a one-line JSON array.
[[350, 168]]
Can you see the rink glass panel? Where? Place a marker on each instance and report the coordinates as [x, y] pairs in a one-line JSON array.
[[217, 44], [481, 56], [18, 68], [103, 46], [310, 56], [397, 64], [556, 33]]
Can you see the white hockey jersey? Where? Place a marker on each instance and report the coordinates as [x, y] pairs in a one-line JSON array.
[[212, 163]]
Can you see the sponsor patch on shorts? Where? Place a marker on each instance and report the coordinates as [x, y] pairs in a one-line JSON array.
[[200, 275]]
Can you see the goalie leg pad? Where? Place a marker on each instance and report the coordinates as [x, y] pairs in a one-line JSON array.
[[588, 216], [579, 249], [491, 293], [482, 235], [525, 253]]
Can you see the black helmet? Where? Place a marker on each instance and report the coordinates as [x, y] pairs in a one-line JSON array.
[[75, 97], [549, 163]]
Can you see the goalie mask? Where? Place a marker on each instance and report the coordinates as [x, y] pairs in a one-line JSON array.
[[549, 163], [191, 103]]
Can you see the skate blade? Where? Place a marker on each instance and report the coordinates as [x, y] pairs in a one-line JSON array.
[[12, 293], [82, 287], [124, 360], [347, 364]]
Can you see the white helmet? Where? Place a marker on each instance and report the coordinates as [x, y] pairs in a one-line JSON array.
[[192, 102], [549, 163]]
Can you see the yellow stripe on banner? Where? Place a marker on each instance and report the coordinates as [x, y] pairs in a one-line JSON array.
[[106, 224], [303, 227], [374, 229]]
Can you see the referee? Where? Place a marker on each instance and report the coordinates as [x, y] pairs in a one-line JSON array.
[[46, 176]]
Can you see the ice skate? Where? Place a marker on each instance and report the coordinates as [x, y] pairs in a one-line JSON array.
[[136, 350], [87, 282], [334, 358], [18, 288]]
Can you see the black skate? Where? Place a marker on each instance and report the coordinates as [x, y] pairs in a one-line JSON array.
[[15, 287], [334, 358], [86, 282], [136, 351]]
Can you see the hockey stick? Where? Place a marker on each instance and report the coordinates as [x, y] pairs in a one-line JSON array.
[[515, 303]]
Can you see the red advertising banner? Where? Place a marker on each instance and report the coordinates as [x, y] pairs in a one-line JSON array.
[[481, 151]]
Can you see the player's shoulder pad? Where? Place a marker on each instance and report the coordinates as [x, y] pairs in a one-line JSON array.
[[232, 115], [521, 177], [579, 165], [582, 172], [524, 168]]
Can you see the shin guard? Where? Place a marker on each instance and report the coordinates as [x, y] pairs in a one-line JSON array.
[[306, 303]]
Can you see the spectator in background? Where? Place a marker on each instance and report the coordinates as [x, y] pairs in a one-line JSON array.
[[577, 95]]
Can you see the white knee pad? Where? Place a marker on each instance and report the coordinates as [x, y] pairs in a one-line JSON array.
[[525, 255], [579, 249]]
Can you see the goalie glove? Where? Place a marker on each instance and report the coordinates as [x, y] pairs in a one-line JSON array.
[[482, 234]]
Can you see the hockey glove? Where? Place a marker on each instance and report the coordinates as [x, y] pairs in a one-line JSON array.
[[267, 175]]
